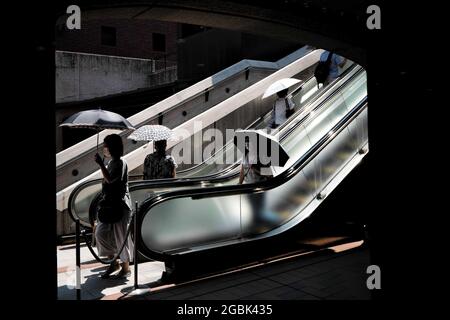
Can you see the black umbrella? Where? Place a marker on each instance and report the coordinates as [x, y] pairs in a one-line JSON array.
[[97, 119], [262, 147]]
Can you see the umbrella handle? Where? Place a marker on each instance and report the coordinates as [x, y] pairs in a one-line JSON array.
[[103, 158]]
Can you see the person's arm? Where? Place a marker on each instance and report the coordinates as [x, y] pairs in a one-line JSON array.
[[106, 175], [291, 103], [105, 172], [343, 62], [174, 164], [145, 173], [272, 117], [241, 175]]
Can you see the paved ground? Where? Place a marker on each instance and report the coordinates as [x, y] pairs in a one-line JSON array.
[[92, 286], [338, 272]]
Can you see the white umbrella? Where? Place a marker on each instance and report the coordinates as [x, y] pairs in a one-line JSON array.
[[151, 133], [263, 145], [280, 85]]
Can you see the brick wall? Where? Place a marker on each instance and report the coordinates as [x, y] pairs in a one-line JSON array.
[[133, 38]]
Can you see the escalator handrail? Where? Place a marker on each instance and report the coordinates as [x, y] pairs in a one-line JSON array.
[[75, 193]]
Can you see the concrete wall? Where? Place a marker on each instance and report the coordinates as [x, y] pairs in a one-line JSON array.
[[81, 76]]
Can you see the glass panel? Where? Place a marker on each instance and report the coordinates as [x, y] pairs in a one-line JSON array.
[[358, 130], [364, 127], [82, 201], [326, 118], [184, 222], [296, 144], [331, 159], [264, 211], [355, 91], [308, 91]]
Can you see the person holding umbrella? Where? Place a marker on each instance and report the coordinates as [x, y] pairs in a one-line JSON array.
[[251, 167], [283, 107], [97, 119], [261, 151], [254, 170], [157, 165], [110, 235]]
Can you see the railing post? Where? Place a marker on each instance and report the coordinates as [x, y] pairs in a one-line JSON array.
[[78, 264], [135, 248]]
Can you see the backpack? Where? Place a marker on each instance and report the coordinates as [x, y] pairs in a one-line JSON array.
[[158, 166], [323, 70]]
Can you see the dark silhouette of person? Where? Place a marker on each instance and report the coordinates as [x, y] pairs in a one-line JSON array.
[[110, 236], [336, 61], [159, 165], [282, 108]]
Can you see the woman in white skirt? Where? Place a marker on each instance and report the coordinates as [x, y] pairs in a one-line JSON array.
[[111, 236]]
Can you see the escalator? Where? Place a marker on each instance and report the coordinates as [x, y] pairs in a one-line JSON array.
[[82, 202], [194, 216], [326, 138]]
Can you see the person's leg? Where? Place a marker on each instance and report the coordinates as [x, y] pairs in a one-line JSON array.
[[125, 267], [104, 239], [273, 127], [126, 255], [114, 266], [328, 81], [256, 202], [263, 218], [106, 246]]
